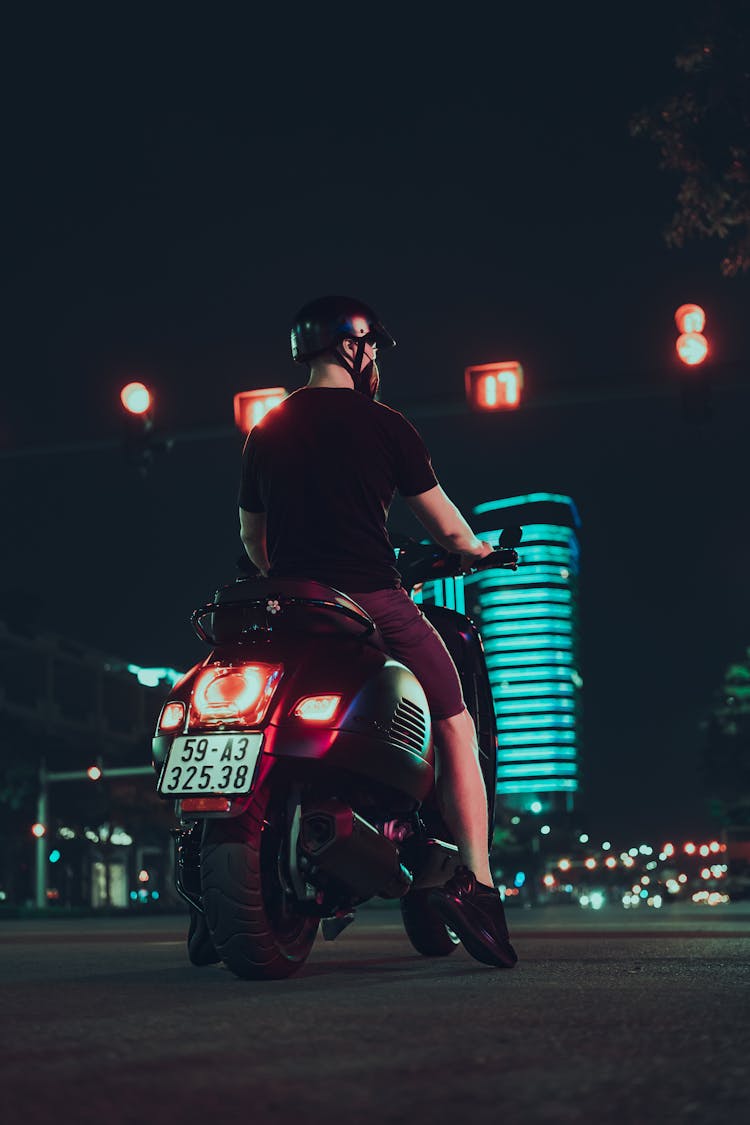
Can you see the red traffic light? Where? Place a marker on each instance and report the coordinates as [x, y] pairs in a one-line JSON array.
[[94, 773], [691, 345], [692, 348], [251, 406], [690, 318], [136, 398], [38, 830], [494, 386]]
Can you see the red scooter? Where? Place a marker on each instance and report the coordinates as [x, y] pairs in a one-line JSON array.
[[299, 756]]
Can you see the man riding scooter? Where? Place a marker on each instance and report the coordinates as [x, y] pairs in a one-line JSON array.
[[318, 476]]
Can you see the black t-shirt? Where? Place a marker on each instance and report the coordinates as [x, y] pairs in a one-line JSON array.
[[324, 466]]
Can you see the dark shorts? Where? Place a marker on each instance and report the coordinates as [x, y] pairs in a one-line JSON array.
[[411, 639]]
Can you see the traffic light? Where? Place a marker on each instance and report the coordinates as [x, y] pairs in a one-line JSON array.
[[94, 773], [691, 344], [692, 350], [38, 830], [494, 386], [251, 406], [142, 443], [136, 398]]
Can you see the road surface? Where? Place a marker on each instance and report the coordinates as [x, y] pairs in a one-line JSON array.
[[610, 1017]]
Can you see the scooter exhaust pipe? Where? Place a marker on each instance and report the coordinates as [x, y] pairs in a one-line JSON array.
[[347, 847]]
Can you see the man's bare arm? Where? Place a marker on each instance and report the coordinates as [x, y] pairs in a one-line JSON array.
[[442, 519], [253, 536]]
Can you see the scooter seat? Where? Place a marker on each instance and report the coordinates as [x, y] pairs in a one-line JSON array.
[[303, 605]]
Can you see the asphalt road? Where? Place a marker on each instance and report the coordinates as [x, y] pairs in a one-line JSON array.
[[626, 1017]]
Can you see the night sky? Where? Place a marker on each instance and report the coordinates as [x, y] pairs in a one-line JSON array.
[[179, 189]]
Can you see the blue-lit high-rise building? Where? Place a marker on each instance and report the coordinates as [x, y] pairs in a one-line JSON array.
[[529, 624]]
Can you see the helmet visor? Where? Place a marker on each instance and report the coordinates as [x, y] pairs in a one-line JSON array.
[[380, 335]]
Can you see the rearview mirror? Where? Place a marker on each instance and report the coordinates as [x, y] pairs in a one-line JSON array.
[[511, 537]]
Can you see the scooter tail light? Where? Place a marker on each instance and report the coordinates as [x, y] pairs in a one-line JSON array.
[[234, 693], [317, 708], [172, 716]]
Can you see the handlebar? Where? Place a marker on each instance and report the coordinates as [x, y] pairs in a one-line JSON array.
[[426, 562], [505, 558]]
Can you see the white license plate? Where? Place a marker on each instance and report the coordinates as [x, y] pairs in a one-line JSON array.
[[211, 763]]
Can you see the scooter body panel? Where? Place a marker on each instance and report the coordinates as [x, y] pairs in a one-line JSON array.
[[381, 731]]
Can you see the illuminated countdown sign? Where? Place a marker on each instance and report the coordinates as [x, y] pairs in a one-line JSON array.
[[251, 406], [494, 386]]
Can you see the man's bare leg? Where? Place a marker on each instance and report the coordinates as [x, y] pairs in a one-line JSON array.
[[460, 790]]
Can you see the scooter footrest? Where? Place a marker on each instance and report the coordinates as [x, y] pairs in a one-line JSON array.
[[432, 862]]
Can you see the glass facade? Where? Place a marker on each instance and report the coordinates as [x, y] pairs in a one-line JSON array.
[[529, 624]]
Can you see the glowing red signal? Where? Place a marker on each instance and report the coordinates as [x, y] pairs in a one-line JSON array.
[[136, 398], [691, 344], [172, 716], [250, 407], [690, 318], [38, 830], [692, 348], [317, 708], [494, 386]]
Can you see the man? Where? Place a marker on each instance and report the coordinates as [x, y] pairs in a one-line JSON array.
[[318, 477]]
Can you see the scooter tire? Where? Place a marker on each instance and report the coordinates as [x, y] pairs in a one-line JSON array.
[[250, 917], [424, 927]]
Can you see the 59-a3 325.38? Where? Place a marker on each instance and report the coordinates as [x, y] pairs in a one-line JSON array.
[[222, 762]]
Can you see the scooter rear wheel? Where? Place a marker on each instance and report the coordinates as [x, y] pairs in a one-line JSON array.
[[424, 927], [250, 916]]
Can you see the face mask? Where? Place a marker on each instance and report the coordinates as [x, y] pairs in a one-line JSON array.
[[374, 381], [368, 380]]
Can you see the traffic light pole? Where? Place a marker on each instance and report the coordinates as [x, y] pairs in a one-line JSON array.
[[724, 376], [105, 444], [449, 406], [42, 813], [41, 840]]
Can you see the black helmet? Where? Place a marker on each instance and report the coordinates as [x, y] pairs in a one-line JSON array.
[[320, 324]]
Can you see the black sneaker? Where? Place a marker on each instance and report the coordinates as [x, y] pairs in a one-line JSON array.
[[475, 912]]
